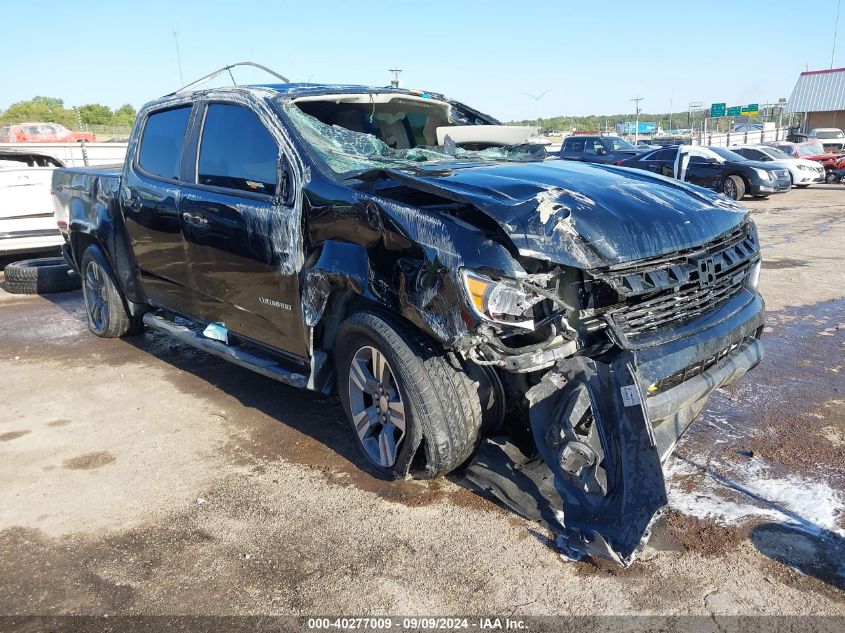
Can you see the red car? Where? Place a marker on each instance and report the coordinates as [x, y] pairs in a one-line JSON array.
[[42, 133], [812, 150]]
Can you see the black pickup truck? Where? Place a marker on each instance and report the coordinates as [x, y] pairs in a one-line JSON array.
[[473, 305]]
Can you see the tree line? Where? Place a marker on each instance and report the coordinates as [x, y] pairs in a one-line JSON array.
[[53, 110]]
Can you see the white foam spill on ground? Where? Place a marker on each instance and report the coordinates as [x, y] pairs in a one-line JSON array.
[[731, 494]]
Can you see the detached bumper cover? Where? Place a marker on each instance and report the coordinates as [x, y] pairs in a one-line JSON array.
[[602, 440]]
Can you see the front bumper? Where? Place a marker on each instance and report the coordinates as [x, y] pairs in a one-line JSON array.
[[767, 188], [803, 177], [603, 439]]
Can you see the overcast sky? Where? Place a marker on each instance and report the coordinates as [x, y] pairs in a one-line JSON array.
[[591, 57]]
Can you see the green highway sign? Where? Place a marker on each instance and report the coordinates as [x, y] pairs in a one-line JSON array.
[[752, 109], [717, 110], [734, 111]]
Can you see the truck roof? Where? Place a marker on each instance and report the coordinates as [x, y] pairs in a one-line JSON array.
[[295, 90]]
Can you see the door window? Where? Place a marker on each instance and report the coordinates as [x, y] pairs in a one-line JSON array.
[[236, 151], [574, 145], [664, 154], [161, 144]]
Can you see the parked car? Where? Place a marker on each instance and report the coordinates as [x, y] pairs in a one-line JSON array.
[[803, 172], [814, 151], [447, 295], [42, 133], [598, 149], [832, 138], [718, 169], [26, 207]]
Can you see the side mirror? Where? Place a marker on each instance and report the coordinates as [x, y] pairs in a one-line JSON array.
[[601, 151]]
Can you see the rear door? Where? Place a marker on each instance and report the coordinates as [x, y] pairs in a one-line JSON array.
[[150, 201], [240, 240], [661, 161]]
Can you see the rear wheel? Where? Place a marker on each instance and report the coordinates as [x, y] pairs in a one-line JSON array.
[[733, 187], [410, 406], [107, 313]]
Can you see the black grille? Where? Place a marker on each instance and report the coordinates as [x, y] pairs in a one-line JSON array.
[[671, 291]]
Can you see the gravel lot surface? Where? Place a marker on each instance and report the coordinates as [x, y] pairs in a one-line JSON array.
[[142, 477]]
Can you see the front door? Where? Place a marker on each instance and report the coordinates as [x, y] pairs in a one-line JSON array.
[[241, 242]]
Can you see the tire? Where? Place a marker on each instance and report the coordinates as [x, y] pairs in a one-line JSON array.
[[104, 305], [441, 410], [733, 188], [41, 276]]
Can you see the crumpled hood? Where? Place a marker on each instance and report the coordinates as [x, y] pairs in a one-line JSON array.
[[585, 215]]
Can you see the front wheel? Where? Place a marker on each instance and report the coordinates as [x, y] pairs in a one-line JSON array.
[[107, 314], [733, 187], [410, 406]]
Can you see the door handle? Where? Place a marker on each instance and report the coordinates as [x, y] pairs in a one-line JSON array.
[[195, 219]]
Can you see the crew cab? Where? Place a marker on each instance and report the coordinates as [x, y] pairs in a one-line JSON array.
[[467, 305], [606, 150], [716, 168]]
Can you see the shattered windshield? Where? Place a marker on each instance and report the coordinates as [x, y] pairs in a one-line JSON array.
[[811, 148], [348, 152]]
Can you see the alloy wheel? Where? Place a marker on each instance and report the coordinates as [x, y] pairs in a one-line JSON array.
[[96, 301], [378, 411], [730, 189]]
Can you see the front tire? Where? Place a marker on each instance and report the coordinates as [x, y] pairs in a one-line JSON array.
[[733, 188], [107, 313], [410, 406]]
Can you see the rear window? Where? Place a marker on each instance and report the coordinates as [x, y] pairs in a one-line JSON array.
[[161, 145], [237, 151]]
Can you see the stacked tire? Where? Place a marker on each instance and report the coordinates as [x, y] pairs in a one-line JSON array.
[[44, 275]]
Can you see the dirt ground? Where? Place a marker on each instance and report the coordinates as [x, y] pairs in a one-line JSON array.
[[142, 477]]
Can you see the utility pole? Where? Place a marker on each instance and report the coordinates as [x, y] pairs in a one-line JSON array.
[[178, 56], [671, 105], [395, 81], [637, 100]]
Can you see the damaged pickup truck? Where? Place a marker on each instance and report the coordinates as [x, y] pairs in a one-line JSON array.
[[551, 326]]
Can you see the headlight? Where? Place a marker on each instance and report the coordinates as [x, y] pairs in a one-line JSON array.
[[806, 168], [503, 301], [763, 174]]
